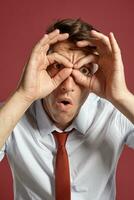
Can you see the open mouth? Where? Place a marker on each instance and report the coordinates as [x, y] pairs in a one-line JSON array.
[[64, 102]]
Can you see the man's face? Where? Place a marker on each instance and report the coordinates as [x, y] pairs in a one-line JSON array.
[[63, 104]]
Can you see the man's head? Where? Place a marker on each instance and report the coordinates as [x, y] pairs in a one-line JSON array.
[[77, 29], [63, 104]]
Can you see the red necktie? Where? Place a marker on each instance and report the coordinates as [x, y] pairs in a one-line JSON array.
[[62, 174]]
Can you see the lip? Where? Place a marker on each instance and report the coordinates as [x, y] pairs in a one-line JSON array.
[[60, 100], [64, 107]]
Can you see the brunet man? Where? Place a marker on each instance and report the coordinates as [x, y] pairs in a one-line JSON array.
[[73, 83]]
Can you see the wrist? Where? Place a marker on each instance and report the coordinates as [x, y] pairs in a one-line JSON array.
[[23, 97], [122, 98]]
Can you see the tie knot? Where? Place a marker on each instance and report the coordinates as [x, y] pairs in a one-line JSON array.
[[61, 138]]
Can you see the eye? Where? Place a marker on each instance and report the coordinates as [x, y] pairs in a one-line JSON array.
[[57, 66], [54, 68], [85, 70]]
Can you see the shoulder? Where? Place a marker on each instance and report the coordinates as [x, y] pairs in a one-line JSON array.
[[98, 110]]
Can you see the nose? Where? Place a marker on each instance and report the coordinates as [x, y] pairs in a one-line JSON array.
[[68, 85]]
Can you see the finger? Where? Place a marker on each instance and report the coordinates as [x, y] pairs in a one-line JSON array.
[[95, 39], [80, 78], [114, 44], [46, 42], [55, 57], [101, 40], [85, 60], [84, 43], [43, 40], [53, 33], [89, 62], [58, 38], [97, 35], [48, 37], [61, 76], [54, 37], [63, 36]]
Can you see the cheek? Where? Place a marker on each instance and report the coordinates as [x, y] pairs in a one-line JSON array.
[[49, 103], [84, 95]]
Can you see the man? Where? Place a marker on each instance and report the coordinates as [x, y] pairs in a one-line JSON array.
[[74, 82]]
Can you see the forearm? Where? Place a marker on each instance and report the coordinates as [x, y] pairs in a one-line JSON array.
[[126, 105], [10, 114]]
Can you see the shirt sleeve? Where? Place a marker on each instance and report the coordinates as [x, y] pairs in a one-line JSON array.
[[130, 139], [128, 129], [2, 152]]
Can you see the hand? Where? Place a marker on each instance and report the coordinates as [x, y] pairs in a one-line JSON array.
[[36, 82], [109, 80]]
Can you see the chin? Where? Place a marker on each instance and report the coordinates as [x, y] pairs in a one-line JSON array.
[[63, 118]]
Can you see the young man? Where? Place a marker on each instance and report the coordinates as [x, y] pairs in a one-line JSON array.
[[73, 82]]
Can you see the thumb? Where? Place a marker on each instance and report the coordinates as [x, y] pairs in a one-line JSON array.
[[61, 76]]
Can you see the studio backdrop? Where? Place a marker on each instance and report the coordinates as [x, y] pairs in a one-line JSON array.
[[23, 23]]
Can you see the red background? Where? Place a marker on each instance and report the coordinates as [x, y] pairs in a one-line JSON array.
[[22, 23]]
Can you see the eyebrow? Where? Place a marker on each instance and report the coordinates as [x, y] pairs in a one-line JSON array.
[[86, 50]]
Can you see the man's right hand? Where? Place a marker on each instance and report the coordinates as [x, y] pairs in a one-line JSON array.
[[36, 83]]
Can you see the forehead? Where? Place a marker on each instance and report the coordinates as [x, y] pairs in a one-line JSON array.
[[69, 50], [65, 45]]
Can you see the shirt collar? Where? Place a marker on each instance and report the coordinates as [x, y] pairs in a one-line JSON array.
[[81, 123]]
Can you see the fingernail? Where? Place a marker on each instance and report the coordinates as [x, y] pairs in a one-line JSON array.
[[66, 34], [93, 31], [111, 33], [45, 35], [57, 30], [78, 43]]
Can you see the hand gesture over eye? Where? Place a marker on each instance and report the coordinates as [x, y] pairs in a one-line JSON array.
[[36, 82], [109, 79]]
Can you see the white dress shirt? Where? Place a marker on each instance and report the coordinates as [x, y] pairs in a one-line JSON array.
[[94, 147]]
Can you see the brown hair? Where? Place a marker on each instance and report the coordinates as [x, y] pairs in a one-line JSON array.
[[77, 29]]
